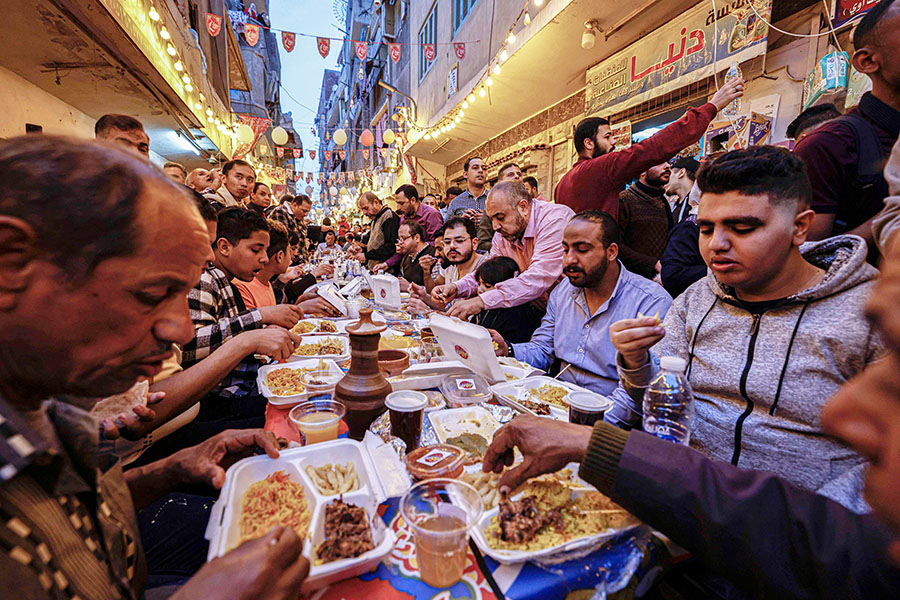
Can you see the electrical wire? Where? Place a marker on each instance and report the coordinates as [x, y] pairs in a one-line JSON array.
[[830, 31]]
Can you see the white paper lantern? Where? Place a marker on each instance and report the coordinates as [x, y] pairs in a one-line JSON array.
[[388, 136], [279, 136], [245, 134], [340, 137], [413, 136], [333, 191]]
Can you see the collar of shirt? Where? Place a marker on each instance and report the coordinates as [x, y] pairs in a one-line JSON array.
[[880, 112]]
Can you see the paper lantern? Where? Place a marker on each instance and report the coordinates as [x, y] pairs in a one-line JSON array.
[[340, 137], [333, 191], [279, 136], [413, 136], [309, 190], [245, 134], [388, 136], [366, 138]]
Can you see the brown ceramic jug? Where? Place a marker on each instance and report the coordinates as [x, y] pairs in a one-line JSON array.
[[363, 388]]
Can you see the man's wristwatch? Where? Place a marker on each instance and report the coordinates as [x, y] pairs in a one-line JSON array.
[[509, 351]]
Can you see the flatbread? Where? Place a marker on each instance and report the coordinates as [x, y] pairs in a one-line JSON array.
[[113, 406]]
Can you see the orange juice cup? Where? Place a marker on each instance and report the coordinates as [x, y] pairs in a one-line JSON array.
[[318, 420]]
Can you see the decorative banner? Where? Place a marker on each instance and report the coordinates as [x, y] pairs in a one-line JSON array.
[[312, 154], [350, 175], [259, 126], [362, 48], [309, 178], [327, 154], [298, 152], [394, 51], [621, 134], [342, 154], [279, 151], [213, 24], [251, 33], [324, 45], [845, 10], [460, 50], [340, 177], [384, 152], [430, 52], [366, 153], [678, 53], [288, 40], [411, 162]]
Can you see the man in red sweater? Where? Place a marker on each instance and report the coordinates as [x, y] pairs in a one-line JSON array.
[[596, 179]]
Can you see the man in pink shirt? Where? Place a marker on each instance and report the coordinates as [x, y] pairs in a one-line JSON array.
[[526, 230]]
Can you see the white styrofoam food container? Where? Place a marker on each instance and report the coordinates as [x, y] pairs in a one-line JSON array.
[[469, 343], [317, 339], [223, 530], [455, 421], [386, 291], [333, 297], [506, 557], [313, 363], [318, 322], [511, 392]]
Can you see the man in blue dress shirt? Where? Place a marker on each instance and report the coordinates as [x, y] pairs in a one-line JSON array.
[[599, 292]]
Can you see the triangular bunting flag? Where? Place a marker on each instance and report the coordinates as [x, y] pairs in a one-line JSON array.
[[279, 151], [298, 152], [394, 51], [327, 154], [251, 33], [366, 153], [288, 40], [460, 50], [362, 48], [324, 45], [342, 154], [384, 152], [213, 24], [430, 52], [312, 154]]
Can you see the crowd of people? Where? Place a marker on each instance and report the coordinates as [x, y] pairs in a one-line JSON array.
[[774, 274]]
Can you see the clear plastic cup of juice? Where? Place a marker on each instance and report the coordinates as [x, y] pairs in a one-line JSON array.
[[318, 420], [440, 513]]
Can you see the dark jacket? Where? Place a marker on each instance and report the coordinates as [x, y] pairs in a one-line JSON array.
[[771, 538], [385, 227], [682, 263], [644, 222]]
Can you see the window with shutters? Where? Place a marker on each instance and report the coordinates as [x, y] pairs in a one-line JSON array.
[[427, 35], [461, 10]]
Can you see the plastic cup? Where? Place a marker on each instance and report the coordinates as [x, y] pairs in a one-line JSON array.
[[319, 385], [586, 409], [318, 420], [440, 513], [431, 351], [407, 410], [353, 307]]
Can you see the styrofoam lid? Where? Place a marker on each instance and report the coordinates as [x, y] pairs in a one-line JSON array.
[[406, 401], [673, 363]]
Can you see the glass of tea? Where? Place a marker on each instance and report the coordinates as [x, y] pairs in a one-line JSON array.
[[318, 420], [440, 513], [586, 408], [407, 409]]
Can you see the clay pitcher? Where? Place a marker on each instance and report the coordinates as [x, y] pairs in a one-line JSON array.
[[363, 388]]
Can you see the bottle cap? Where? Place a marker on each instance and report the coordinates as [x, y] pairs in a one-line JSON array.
[[673, 363]]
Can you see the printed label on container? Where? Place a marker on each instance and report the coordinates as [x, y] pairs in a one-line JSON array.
[[465, 384], [461, 352], [434, 457]]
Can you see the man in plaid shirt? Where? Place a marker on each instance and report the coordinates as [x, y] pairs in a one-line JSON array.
[[218, 311], [292, 214]]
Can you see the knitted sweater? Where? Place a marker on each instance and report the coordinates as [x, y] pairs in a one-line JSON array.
[[644, 221]]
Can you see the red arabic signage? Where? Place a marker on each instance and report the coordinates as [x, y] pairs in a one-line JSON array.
[[678, 53], [844, 10]]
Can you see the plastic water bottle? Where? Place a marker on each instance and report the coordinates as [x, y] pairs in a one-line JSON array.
[[669, 402], [733, 108]]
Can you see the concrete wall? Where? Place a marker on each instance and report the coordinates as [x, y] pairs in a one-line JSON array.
[[24, 102]]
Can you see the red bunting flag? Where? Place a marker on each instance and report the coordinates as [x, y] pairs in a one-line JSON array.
[[213, 24], [460, 50], [342, 154], [384, 152], [350, 175], [279, 151], [251, 33], [312, 154], [327, 154], [288, 40], [324, 45], [298, 153], [308, 177], [362, 48], [394, 51], [341, 177], [366, 153], [430, 52]]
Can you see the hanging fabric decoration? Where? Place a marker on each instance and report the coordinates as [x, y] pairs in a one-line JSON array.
[[308, 177], [327, 154], [321, 177], [362, 48], [384, 152], [366, 153], [350, 175], [298, 152], [251, 33], [288, 40], [312, 154], [460, 50], [340, 177], [342, 154], [279, 151], [213, 24], [430, 52], [324, 45], [394, 51]]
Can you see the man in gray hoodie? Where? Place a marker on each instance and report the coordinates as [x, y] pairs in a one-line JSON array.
[[773, 330]]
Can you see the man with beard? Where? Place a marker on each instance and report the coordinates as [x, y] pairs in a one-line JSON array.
[[644, 221], [595, 180], [528, 231], [599, 291], [460, 242]]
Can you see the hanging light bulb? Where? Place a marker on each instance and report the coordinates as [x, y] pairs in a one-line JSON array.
[[472, 97], [497, 69], [465, 104], [178, 66], [185, 78], [481, 92], [198, 106], [527, 18], [538, 2], [511, 39], [154, 16], [189, 88], [504, 55], [164, 34], [170, 49], [457, 119], [209, 112], [462, 114], [489, 82]]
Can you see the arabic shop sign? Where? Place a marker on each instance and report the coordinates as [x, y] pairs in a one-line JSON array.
[[844, 10], [681, 52]]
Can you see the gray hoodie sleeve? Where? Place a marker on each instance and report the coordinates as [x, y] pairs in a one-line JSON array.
[[888, 220]]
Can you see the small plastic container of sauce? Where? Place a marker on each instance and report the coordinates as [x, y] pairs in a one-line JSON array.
[[438, 460]]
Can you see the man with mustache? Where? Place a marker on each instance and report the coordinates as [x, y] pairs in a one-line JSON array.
[[644, 220], [459, 243], [599, 291]]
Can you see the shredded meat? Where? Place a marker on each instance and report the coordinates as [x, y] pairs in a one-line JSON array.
[[538, 408], [520, 520], [347, 532]]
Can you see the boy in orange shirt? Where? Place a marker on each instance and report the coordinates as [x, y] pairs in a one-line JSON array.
[[258, 291]]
